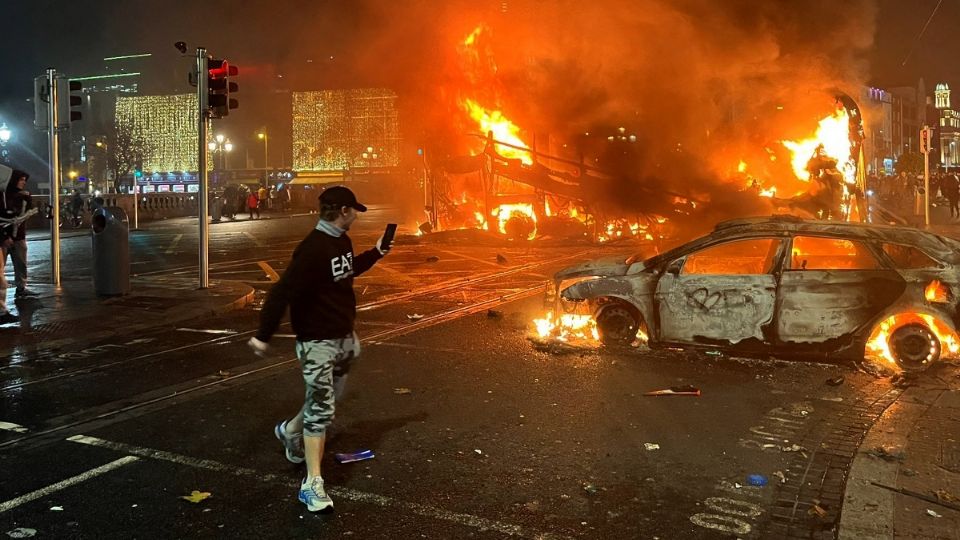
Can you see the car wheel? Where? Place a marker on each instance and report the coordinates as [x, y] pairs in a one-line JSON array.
[[617, 324], [914, 347]]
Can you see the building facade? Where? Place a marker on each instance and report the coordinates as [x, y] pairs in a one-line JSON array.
[[948, 127]]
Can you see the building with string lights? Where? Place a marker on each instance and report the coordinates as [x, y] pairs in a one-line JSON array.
[[345, 130], [165, 127]]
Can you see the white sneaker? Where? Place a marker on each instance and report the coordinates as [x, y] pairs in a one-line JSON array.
[[259, 348], [314, 496]]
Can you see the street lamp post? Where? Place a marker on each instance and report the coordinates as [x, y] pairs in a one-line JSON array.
[[263, 137], [220, 145]]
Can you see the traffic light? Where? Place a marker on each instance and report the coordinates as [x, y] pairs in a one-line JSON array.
[[219, 87], [69, 102], [925, 139]]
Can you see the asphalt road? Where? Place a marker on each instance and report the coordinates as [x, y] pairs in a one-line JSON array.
[[477, 433]]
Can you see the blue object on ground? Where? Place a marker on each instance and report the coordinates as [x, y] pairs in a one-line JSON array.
[[356, 456], [757, 480]]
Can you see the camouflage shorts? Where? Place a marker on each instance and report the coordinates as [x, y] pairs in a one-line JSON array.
[[325, 366]]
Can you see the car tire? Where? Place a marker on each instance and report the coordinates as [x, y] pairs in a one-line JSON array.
[[617, 324], [914, 347]]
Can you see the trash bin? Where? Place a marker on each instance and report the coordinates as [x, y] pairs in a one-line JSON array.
[[216, 206], [111, 251]]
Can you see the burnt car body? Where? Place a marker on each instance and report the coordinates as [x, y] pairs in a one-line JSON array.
[[782, 286]]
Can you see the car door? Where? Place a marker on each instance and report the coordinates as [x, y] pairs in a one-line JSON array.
[[721, 294], [831, 287]]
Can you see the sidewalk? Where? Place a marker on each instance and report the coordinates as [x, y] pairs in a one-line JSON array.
[[913, 453], [59, 315]]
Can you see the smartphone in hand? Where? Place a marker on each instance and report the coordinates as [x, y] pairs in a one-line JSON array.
[[388, 235]]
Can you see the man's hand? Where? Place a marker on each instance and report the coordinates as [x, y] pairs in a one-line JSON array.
[[383, 249]]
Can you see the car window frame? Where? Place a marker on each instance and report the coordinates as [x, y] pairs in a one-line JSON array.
[[778, 245], [877, 252], [940, 265]]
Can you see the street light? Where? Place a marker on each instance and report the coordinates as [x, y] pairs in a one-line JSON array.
[[5, 135], [263, 137], [219, 145]]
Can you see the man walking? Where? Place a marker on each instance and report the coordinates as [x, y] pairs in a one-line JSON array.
[[318, 287], [19, 201], [950, 188]]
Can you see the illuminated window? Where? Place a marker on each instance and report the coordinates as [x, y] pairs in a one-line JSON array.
[[908, 257], [754, 256], [814, 253]]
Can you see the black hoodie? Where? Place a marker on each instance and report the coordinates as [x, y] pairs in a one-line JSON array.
[[16, 203]]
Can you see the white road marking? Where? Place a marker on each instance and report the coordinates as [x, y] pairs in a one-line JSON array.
[[10, 426], [173, 245], [53, 488], [271, 273], [206, 331], [256, 242], [479, 523]]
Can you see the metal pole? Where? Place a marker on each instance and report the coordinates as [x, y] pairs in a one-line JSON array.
[[926, 176], [136, 204], [266, 159], [202, 176], [53, 118]]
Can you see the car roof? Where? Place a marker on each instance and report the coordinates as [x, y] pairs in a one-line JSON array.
[[941, 248]]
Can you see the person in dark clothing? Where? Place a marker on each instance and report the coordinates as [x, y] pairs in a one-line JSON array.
[[950, 188], [22, 202], [318, 288], [8, 225]]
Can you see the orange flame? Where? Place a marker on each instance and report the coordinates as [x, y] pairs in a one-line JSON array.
[[936, 292], [567, 326], [878, 346], [504, 212], [503, 130], [833, 133]]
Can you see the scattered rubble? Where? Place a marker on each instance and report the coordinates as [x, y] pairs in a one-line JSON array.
[[414, 317], [817, 510], [686, 390], [590, 488], [494, 314], [22, 532], [888, 453], [433, 259], [651, 446], [933, 513], [945, 496], [836, 381], [779, 475], [401, 391], [501, 259]]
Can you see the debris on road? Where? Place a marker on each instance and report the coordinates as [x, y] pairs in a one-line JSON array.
[[590, 488], [888, 453], [945, 496], [817, 510], [686, 390], [196, 496], [478, 451], [494, 314], [22, 532], [56, 509], [757, 480], [414, 317], [780, 476], [933, 513], [908, 472], [401, 391], [836, 381], [355, 456], [879, 371], [433, 259], [651, 446], [501, 259], [793, 448]]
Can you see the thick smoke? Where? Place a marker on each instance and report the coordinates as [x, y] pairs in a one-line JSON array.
[[701, 83]]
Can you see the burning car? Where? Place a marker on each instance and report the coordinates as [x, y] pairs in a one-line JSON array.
[[786, 287]]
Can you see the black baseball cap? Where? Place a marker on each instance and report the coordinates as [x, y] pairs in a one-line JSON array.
[[341, 196]]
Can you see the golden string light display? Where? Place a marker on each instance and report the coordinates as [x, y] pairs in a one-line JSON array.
[[335, 130], [168, 127]]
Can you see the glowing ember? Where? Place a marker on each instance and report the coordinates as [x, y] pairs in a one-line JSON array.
[[568, 326], [505, 212], [936, 292], [503, 130], [772, 192], [742, 167], [834, 134]]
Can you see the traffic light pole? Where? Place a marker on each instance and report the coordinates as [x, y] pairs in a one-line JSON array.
[[54, 147], [202, 175], [925, 135]]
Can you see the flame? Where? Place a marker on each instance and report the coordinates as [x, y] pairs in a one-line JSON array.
[[504, 212], [503, 130], [833, 132], [936, 292], [742, 167], [768, 192], [878, 345], [568, 326]]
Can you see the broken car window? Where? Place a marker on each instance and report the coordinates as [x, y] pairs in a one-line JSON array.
[[908, 257], [814, 253], [754, 256]]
